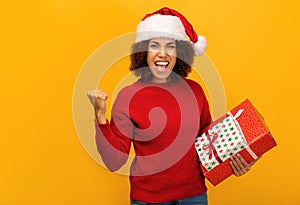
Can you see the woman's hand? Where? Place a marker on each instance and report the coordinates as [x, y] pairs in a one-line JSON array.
[[239, 164], [98, 99]]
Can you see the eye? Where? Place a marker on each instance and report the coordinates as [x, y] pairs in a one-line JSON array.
[[153, 46], [170, 46]]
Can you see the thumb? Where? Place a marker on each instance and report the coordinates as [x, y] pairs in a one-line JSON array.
[[100, 98], [91, 96]]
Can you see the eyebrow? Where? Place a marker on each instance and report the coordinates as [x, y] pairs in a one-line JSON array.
[[155, 42]]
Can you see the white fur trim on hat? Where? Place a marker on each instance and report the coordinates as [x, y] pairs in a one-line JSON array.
[[160, 26]]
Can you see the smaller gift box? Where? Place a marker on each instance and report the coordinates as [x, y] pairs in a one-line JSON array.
[[241, 130]]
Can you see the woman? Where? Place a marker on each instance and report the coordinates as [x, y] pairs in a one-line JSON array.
[[161, 115]]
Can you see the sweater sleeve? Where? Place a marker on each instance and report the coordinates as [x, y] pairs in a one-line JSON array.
[[113, 139]]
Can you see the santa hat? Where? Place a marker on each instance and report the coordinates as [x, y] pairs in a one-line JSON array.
[[169, 23]]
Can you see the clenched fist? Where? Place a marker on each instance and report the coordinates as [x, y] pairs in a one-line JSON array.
[[98, 99]]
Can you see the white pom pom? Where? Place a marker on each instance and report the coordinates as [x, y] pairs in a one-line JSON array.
[[200, 46]]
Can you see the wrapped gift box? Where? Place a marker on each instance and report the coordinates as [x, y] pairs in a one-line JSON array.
[[242, 130]]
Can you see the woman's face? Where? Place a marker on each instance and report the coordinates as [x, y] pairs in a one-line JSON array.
[[161, 58]]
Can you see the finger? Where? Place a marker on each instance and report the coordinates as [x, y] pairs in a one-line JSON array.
[[90, 93], [235, 171], [244, 164], [91, 96], [101, 94], [240, 164], [236, 166]]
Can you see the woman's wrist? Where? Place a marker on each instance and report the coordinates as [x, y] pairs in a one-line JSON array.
[[101, 119]]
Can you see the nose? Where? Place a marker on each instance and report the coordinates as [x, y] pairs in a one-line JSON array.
[[162, 52]]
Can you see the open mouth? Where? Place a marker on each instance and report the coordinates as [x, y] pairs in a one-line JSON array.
[[161, 65]]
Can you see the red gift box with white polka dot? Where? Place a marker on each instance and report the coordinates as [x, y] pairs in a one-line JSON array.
[[243, 131]]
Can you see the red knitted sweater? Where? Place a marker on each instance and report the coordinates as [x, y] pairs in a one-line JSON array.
[[162, 122]]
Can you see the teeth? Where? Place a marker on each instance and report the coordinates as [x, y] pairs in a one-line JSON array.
[[161, 63]]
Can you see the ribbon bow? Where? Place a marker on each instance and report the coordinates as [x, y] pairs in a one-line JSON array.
[[210, 146]]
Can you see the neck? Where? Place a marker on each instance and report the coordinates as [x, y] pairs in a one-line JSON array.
[[155, 80]]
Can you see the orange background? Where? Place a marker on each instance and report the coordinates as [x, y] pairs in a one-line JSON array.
[[253, 44]]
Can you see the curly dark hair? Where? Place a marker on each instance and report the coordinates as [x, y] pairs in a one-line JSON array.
[[184, 60]]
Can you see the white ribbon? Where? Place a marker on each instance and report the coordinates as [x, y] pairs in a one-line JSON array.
[[238, 114]]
